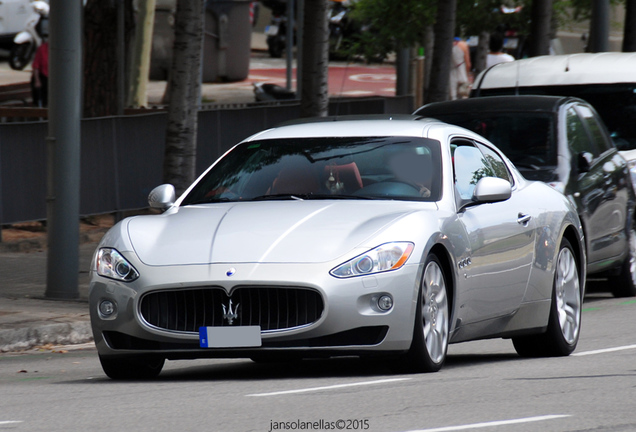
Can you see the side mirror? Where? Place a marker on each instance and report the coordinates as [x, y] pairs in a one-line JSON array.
[[584, 162], [162, 197], [492, 189]]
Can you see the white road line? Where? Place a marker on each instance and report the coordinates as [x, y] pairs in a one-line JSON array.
[[337, 386], [9, 422], [606, 350], [493, 423]]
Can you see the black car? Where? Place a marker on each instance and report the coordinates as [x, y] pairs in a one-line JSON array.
[[563, 142]]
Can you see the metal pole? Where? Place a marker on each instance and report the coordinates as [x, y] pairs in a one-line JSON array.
[[403, 69], [599, 26], [121, 59], [65, 78], [291, 23], [299, 50]]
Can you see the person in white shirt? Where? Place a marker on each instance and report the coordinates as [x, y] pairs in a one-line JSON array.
[[496, 55]]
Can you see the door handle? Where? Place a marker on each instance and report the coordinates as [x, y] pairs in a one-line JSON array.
[[523, 219]]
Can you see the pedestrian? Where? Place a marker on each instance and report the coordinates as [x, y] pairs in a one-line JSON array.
[[460, 70], [496, 54], [40, 75]]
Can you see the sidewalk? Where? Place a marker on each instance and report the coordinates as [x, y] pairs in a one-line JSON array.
[[27, 318]]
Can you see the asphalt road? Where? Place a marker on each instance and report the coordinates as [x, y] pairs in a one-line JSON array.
[[484, 386]]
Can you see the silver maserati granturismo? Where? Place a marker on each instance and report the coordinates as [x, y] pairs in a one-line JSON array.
[[391, 238]]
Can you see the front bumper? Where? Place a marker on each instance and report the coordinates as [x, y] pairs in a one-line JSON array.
[[348, 322]]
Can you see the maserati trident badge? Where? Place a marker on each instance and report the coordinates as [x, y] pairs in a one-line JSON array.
[[230, 314]]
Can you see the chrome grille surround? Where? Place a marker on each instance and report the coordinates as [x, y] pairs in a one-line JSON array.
[[272, 308]]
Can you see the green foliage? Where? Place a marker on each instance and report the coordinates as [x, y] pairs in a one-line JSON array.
[[402, 23], [395, 23]]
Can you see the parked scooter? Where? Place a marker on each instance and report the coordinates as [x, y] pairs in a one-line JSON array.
[[27, 41], [276, 31]]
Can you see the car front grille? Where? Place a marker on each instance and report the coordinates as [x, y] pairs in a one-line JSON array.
[[272, 308]]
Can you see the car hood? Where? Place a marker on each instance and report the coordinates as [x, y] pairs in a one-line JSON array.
[[261, 232]]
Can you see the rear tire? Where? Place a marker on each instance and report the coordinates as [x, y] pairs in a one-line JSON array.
[[130, 368], [564, 324], [432, 317], [624, 285]]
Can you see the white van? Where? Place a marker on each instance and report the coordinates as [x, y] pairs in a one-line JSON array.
[[13, 17], [606, 80]]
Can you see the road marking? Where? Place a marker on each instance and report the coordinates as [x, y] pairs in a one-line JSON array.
[[493, 423], [9, 422], [373, 78], [606, 350], [337, 386]]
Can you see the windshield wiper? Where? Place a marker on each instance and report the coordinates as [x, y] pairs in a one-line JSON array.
[[309, 196], [210, 201], [298, 197]]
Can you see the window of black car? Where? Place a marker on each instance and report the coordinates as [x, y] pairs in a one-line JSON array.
[[615, 104], [578, 139], [406, 168], [473, 161], [599, 136], [527, 139]]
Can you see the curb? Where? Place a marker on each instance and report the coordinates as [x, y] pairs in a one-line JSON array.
[[56, 334]]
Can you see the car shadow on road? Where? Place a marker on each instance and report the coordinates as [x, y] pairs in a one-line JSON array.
[[349, 367]]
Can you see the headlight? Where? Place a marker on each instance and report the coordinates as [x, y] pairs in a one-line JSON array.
[[112, 264], [389, 256]]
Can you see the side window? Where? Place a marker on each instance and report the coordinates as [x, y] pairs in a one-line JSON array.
[[578, 139], [496, 167], [471, 165], [596, 129]]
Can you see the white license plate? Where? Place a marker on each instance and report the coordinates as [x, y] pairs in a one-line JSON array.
[[271, 30], [230, 337]]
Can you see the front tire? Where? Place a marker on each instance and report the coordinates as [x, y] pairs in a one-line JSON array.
[[624, 285], [21, 55], [432, 321], [131, 368], [564, 324]]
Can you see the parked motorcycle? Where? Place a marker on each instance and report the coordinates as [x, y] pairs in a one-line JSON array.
[[276, 31], [27, 41]]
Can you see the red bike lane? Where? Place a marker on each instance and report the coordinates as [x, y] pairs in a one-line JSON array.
[[346, 81]]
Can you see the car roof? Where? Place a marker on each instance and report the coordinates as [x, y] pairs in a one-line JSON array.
[[522, 103], [351, 127], [570, 69]]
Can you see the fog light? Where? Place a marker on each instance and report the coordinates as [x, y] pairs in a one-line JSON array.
[[106, 308], [385, 302]]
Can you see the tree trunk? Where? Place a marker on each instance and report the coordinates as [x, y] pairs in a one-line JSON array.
[[140, 71], [440, 70], [185, 92], [540, 28], [629, 36], [101, 55], [482, 53], [314, 100]]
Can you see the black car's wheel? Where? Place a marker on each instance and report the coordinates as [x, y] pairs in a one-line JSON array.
[[432, 320], [564, 324], [624, 285], [21, 55], [130, 368]]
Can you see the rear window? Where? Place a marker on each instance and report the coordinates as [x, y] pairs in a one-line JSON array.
[[527, 139]]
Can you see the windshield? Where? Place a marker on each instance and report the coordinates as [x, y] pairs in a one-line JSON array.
[[527, 139], [324, 168]]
